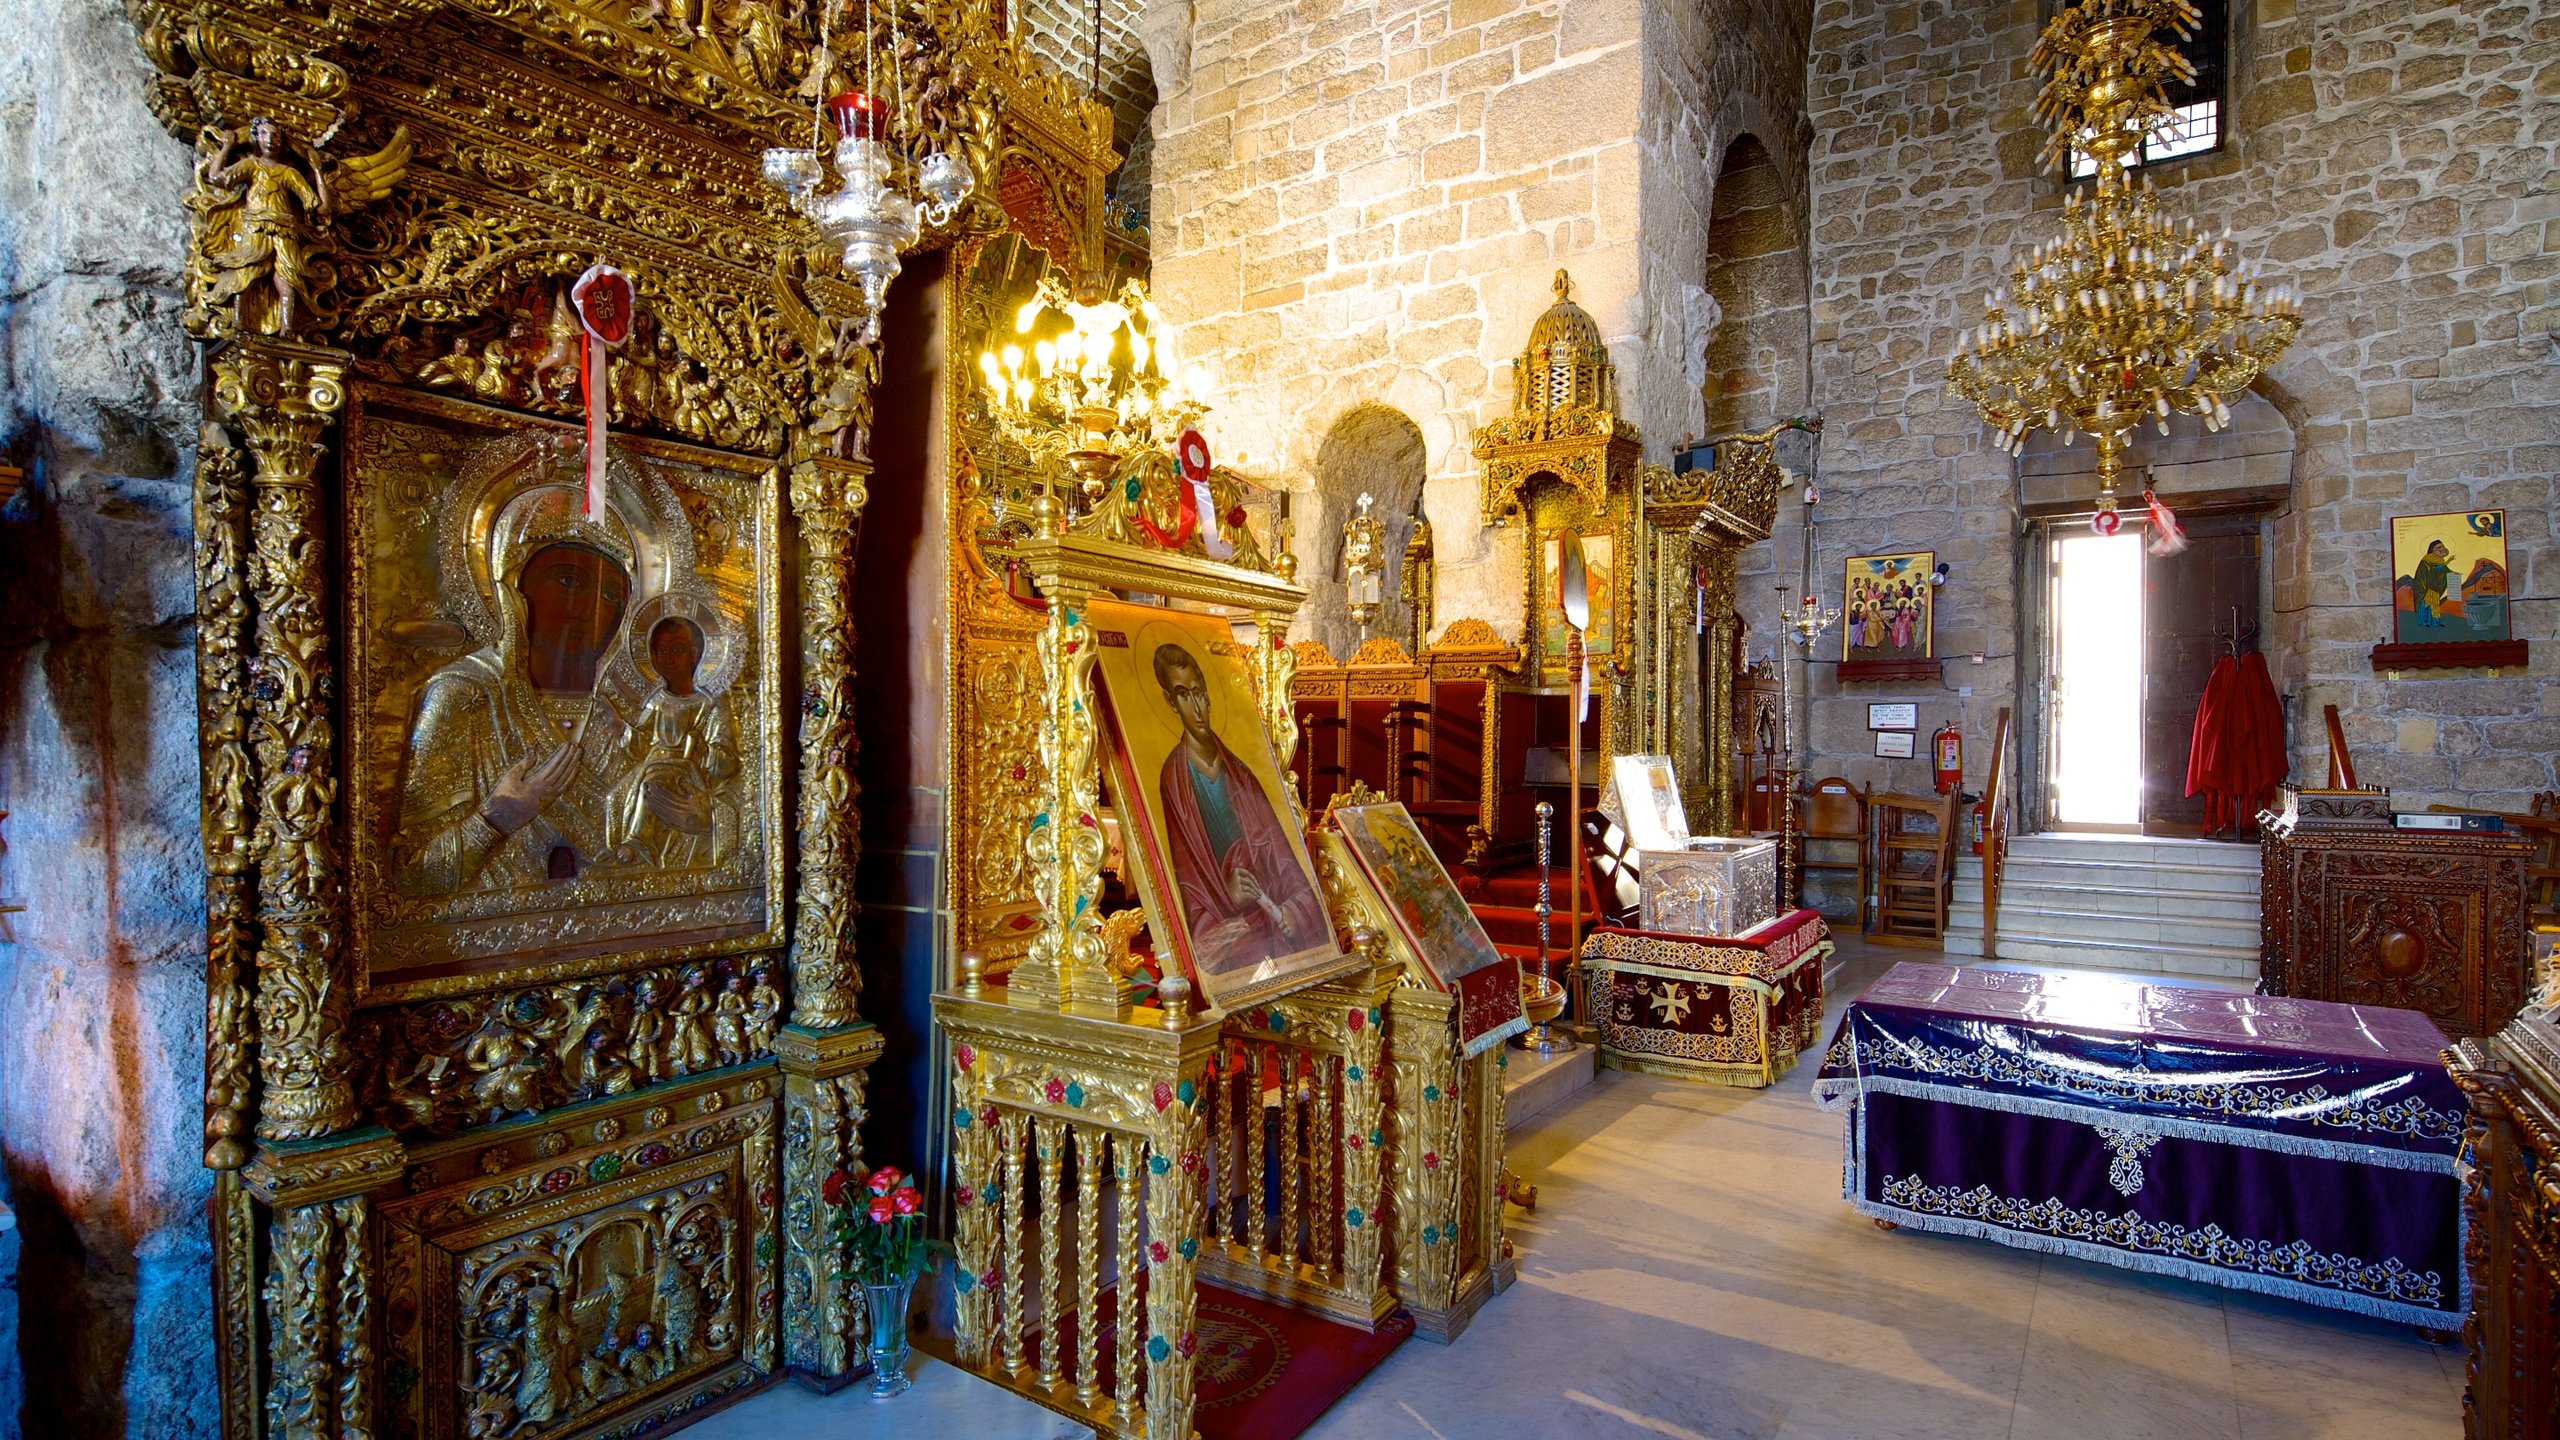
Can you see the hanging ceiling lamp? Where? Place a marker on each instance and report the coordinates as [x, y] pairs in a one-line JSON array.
[[2126, 315], [868, 215]]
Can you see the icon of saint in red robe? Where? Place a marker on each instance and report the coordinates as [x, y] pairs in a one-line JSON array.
[[1244, 895]]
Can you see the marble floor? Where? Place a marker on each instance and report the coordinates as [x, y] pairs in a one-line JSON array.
[[1692, 1273]]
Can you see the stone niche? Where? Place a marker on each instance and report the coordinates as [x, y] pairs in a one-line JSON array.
[[1377, 452]]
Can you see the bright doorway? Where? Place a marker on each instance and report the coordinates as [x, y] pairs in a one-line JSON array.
[[2095, 781]]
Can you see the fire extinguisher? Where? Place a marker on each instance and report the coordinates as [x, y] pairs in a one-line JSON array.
[[1948, 746]]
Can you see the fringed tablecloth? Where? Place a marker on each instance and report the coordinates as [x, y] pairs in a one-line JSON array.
[[1735, 1010], [2292, 1147]]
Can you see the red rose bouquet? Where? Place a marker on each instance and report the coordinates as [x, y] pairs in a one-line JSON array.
[[879, 1219]]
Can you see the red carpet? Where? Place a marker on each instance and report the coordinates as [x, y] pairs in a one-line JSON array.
[[1264, 1372]]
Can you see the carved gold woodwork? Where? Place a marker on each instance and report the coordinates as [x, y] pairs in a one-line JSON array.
[[1417, 577], [1696, 525], [282, 397], [386, 211], [1564, 417], [222, 700], [827, 496], [1321, 1049], [1447, 1149], [1032, 1085], [824, 1322], [605, 1266], [1565, 462]]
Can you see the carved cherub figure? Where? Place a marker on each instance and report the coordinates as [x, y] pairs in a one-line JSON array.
[[648, 1032], [689, 1049], [729, 1021], [764, 1010], [261, 243], [562, 338]]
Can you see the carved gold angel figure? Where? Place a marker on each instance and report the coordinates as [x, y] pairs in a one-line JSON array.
[[261, 244]]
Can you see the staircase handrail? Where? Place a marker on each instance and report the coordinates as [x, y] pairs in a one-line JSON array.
[[1996, 804]]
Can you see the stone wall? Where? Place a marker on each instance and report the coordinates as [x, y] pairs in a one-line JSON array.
[[1365, 205], [2394, 161], [101, 978]]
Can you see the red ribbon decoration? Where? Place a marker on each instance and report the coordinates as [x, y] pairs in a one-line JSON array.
[[2168, 537], [603, 297]]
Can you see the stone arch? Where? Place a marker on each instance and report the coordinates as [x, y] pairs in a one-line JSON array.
[[1757, 361], [1376, 450]]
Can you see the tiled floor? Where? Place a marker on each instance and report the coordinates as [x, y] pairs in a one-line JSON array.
[[1691, 1273]]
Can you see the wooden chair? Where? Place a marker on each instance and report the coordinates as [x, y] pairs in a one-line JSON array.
[[1835, 813], [1915, 859]]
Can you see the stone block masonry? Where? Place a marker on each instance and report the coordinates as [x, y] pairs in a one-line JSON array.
[[1365, 205], [2393, 160], [101, 1054]]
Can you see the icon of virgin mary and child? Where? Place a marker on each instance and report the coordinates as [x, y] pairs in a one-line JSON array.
[[523, 769]]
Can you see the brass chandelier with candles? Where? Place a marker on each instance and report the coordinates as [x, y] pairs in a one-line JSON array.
[[1089, 383], [2126, 315]]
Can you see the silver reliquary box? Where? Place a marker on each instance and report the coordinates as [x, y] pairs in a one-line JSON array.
[[1709, 886]]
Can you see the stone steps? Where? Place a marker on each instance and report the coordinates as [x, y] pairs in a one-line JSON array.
[[2168, 907]]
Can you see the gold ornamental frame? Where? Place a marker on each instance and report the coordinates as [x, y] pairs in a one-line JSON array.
[[389, 200]]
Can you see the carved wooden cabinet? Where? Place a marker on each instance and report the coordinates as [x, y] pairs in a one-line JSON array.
[[2419, 920], [2511, 1239]]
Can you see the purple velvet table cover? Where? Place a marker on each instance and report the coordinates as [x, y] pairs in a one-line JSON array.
[[2286, 1146]]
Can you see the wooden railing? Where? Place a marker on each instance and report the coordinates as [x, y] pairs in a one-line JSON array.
[[1996, 805]]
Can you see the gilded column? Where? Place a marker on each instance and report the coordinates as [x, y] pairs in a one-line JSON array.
[[1279, 667], [1177, 1167], [1428, 1143], [1067, 964], [1363, 1144], [281, 396], [231, 942], [824, 1326], [974, 1208], [319, 1285], [827, 496], [1722, 625]]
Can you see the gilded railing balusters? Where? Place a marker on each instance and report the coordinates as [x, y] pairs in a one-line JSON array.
[[1128, 1164], [1050, 1138], [1323, 1140], [1090, 1172], [1014, 1251], [1363, 1092], [1292, 1117], [1257, 1195]]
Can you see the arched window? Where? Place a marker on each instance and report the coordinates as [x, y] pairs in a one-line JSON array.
[[2198, 109]]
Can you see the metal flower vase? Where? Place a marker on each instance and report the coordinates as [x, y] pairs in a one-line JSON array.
[[888, 1307]]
